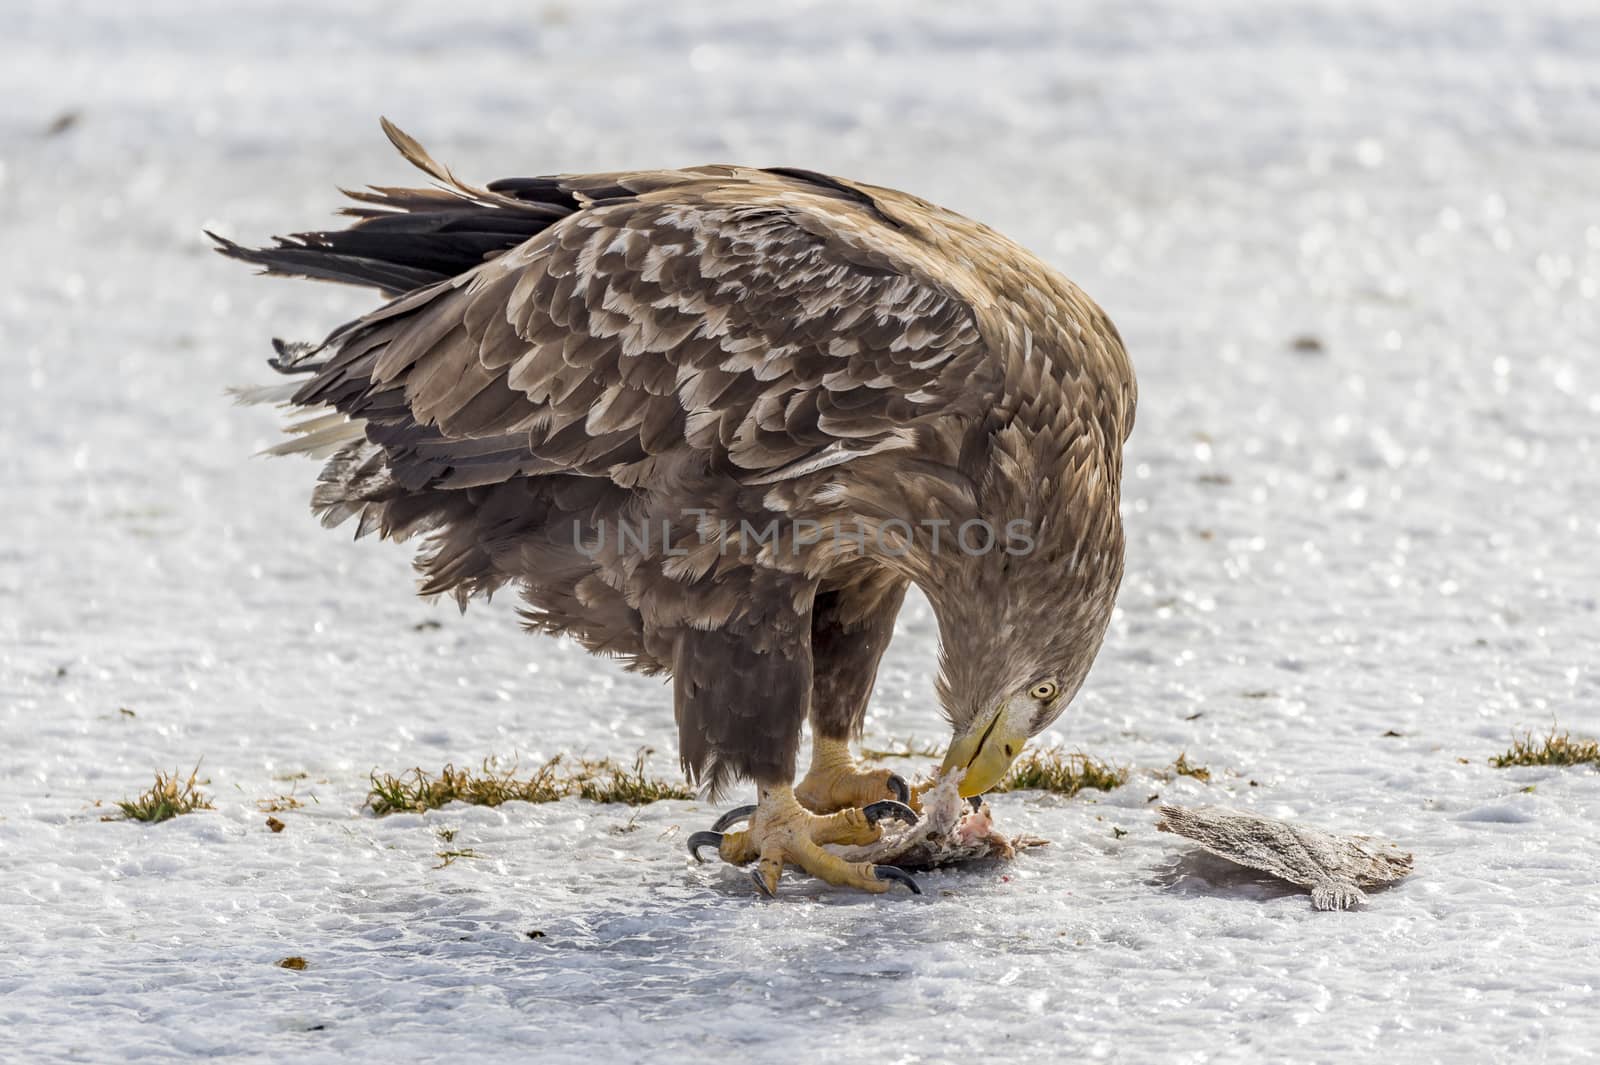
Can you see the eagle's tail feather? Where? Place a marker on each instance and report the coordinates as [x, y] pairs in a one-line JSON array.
[[404, 239]]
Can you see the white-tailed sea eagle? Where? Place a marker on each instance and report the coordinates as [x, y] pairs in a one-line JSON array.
[[714, 421]]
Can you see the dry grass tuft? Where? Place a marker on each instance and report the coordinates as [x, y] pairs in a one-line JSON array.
[[448, 858], [1552, 749], [608, 781], [1062, 772], [491, 785], [278, 804], [1184, 768], [169, 797], [601, 780], [1053, 769]]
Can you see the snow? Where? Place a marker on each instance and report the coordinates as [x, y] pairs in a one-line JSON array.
[[1395, 532]]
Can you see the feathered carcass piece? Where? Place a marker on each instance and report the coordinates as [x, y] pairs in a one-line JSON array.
[[1335, 868], [951, 831]]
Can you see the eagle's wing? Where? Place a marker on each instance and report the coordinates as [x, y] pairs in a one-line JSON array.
[[775, 322]]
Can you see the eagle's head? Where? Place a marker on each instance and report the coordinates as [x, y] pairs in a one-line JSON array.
[[1004, 680], [1020, 624], [986, 743]]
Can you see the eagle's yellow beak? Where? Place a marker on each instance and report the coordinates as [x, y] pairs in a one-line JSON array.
[[987, 750]]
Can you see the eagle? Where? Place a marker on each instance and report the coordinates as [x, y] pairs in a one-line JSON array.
[[715, 422]]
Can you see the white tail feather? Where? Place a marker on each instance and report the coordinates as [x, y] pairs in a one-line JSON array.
[[321, 440], [259, 395]]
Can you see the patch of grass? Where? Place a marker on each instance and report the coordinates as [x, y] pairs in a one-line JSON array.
[[608, 781], [602, 780], [491, 785], [449, 857], [170, 796], [1062, 772], [278, 804], [1551, 749], [1184, 768]]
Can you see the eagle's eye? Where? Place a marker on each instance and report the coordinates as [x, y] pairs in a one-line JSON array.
[[1044, 691]]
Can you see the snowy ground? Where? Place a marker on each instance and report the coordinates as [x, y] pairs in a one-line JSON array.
[[1396, 532]]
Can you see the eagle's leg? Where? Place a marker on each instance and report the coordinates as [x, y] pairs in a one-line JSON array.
[[836, 782], [741, 697], [782, 832], [850, 630]]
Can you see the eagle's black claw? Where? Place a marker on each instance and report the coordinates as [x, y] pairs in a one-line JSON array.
[[976, 802], [761, 883], [899, 876], [898, 785], [733, 817], [877, 811], [704, 839]]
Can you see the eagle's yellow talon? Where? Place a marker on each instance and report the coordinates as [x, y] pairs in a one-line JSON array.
[[767, 871], [835, 782], [737, 848], [782, 832], [846, 826]]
